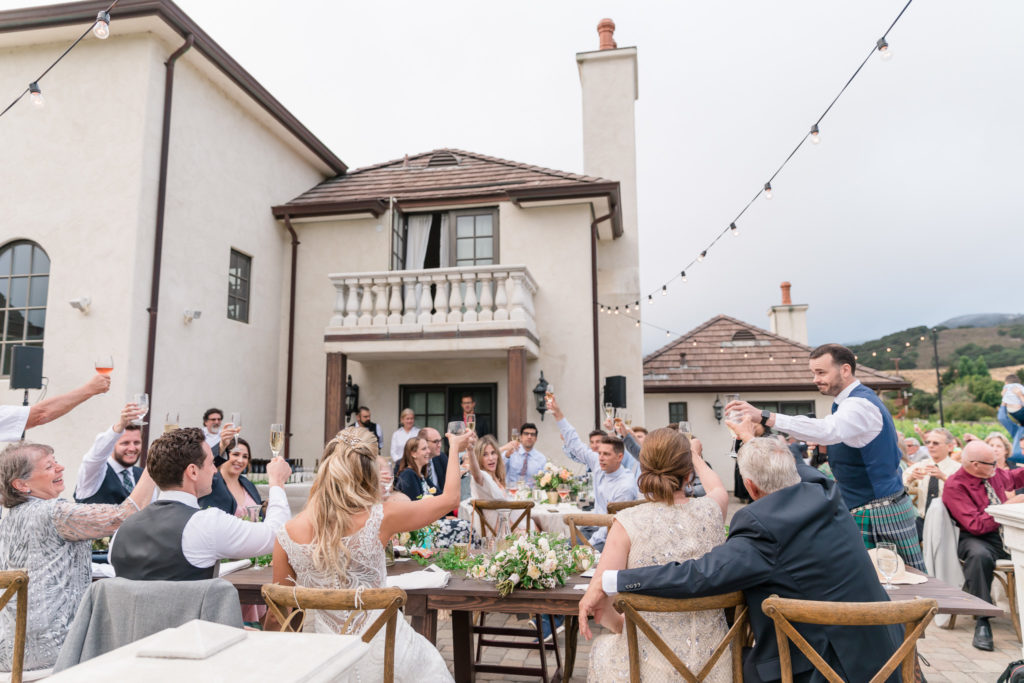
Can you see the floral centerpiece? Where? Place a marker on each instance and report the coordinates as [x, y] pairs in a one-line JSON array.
[[553, 476], [537, 561]]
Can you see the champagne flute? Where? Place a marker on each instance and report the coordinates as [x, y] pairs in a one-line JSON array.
[[105, 365], [471, 422], [549, 395], [888, 562], [236, 420], [608, 410], [276, 438], [629, 420], [142, 400]]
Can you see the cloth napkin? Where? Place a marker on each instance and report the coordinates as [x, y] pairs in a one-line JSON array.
[[228, 567], [431, 577], [902, 575]]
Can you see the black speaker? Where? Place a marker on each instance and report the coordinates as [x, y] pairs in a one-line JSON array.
[[615, 390], [26, 367]]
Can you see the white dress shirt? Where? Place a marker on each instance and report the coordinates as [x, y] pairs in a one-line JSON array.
[[398, 441], [212, 535], [855, 423], [12, 422], [212, 438], [535, 462], [94, 464]]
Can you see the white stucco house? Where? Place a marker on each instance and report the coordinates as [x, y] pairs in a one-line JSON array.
[[161, 179]]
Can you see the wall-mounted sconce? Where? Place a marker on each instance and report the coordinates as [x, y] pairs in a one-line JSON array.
[[540, 395], [81, 304], [192, 314], [717, 406]]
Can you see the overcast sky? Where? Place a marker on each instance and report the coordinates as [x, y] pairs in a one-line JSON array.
[[907, 213]]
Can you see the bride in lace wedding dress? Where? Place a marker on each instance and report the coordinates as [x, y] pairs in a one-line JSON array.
[[338, 540]]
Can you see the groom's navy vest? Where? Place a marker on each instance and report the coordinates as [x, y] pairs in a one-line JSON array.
[[111, 490], [148, 545], [871, 471]]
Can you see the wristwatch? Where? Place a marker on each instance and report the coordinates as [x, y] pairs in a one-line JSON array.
[[765, 415]]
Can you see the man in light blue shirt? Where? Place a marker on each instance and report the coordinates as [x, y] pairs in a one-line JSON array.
[[613, 481], [525, 461]]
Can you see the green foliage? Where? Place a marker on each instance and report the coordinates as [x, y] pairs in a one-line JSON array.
[[923, 402], [969, 411], [979, 429], [995, 355], [984, 389], [450, 560]]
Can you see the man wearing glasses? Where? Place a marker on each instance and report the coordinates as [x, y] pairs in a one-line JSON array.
[[924, 480], [975, 486]]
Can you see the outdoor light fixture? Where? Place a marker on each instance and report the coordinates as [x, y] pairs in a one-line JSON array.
[[703, 255], [883, 49], [192, 314], [815, 134], [733, 229], [36, 94], [351, 397], [717, 407], [101, 29], [767, 190], [539, 395], [81, 304]]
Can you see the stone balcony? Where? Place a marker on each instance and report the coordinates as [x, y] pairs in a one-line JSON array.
[[468, 312]]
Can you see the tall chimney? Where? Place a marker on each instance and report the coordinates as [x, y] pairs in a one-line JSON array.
[[788, 319], [606, 30]]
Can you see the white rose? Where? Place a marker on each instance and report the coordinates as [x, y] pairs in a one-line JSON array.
[[549, 565], [514, 579], [552, 556], [492, 570], [543, 543], [585, 563], [532, 571], [500, 556]]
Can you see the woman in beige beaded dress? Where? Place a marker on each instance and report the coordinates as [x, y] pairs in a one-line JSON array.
[[671, 528]]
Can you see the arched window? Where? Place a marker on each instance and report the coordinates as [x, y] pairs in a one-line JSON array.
[[24, 281]]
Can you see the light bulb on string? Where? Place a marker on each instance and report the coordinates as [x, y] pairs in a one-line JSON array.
[[734, 230], [636, 305], [682, 275], [101, 29], [616, 310], [703, 255], [767, 190], [637, 323], [883, 49], [667, 333], [650, 298], [815, 134], [664, 290], [36, 94]]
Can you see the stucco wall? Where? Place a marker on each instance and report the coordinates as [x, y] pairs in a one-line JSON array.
[[716, 438]]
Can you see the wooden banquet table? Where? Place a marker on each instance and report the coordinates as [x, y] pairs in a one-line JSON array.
[[464, 596], [546, 516]]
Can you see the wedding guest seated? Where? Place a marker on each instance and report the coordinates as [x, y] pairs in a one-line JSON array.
[[612, 481], [176, 541], [521, 458], [978, 484], [415, 481], [925, 479], [387, 479], [108, 472], [796, 540], [637, 539], [50, 538], [337, 542], [231, 491], [487, 477]]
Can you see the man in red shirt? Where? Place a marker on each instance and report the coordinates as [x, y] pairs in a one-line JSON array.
[[968, 491]]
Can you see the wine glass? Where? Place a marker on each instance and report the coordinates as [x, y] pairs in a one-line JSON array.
[[563, 491], [171, 422], [549, 395], [515, 434], [276, 438], [456, 427], [142, 400], [471, 422], [513, 489], [629, 420], [732, 415], [105, 365], [609, 409], [686, 429], [236, 421], [888, 562]]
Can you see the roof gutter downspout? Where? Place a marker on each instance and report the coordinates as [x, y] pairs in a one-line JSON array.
[[158, 238], [593, 292], [291, 338]]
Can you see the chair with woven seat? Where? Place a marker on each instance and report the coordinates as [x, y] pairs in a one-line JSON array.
[[915, 616], [581, 519], [482, 630], [288, 604], [631, 605], [621, 505], [13, 583]]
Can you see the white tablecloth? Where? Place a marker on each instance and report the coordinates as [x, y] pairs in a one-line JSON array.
[[548, 517], [262, 656]]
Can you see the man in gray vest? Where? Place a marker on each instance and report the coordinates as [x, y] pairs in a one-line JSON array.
[[175, 540]]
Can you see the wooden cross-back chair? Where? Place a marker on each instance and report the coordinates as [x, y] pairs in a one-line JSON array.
[[486, 529], [281, 599], [15, 582], [621, 505], [576, 520], [915, 616], [631, 605]]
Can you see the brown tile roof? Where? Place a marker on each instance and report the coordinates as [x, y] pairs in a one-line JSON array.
[[443, 175], [726, 354]]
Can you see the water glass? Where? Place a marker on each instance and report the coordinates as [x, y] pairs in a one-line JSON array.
[[457, 427], [888, 563], [142, 400]]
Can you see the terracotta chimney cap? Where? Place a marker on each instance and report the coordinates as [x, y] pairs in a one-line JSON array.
[[606, 30], [786, 300]]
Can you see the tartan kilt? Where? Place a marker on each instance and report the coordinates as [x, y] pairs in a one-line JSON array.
[[894, 523]]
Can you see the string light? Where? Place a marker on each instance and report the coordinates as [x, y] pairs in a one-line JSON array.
[[664, 290], [683, 275], [703, 255], [733, 229], [638, 323], [883, 49], [650, 298], [101, 29], [815, 135], [36, 94], [768, 190], [616, 310]]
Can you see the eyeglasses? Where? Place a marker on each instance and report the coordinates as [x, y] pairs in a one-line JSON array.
[[985, 462], [528, 434], [933, 443], [433, 440]]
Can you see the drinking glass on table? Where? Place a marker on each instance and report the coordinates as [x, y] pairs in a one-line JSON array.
[[141, 400], [563, 491], [236, 422], [276, 438], [105, 365], [513, 490], [888, 562]]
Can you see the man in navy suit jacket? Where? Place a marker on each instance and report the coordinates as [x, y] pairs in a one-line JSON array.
[[796, 540]]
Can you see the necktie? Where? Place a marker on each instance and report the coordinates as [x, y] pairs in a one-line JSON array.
[[933, 491], [993, 497], [526, 462], [835, 407], [126, 481]]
